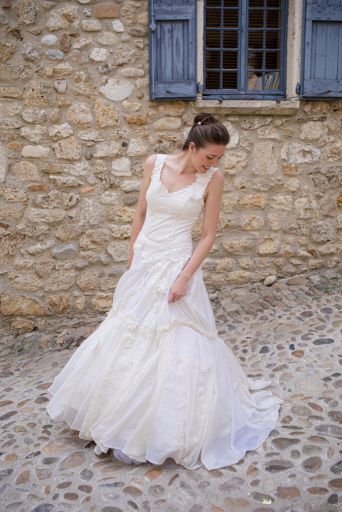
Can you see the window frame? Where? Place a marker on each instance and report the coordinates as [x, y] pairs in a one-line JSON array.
[[242, 94]]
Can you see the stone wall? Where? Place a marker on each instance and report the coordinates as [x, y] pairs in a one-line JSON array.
[[76, 125]]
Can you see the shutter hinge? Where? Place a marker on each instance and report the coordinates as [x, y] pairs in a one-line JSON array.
[[298, 88], [199, 87]]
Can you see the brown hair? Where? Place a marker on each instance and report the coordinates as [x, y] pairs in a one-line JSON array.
[[206, 130]]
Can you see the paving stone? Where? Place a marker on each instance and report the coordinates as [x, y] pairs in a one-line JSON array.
[[288, 333]]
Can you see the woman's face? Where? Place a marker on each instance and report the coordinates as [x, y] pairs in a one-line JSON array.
[[209, 156]]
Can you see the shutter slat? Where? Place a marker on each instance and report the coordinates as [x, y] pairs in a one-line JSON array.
[[322, 42], [172, 47]]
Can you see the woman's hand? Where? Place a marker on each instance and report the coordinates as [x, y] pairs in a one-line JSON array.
[[178, 289]]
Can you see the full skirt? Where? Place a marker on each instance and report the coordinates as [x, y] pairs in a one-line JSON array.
[[156, 381]]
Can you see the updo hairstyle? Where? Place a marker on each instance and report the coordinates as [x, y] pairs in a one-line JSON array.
[[206, 130]]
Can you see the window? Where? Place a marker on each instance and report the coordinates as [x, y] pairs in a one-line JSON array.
[[244, 49]]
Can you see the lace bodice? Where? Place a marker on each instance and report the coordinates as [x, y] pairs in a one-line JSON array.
[[170, 216]]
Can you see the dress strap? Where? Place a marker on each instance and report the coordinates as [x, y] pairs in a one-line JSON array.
[[205, 179], [158, 163]]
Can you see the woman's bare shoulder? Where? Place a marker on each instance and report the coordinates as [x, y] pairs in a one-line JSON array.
[[217, 177]]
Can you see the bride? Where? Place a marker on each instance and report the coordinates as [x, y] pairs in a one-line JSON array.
[[155, 380]]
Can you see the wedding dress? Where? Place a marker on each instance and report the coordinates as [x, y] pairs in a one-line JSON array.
[[154, 380]]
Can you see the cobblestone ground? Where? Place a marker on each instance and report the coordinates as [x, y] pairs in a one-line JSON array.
[[290, 332]]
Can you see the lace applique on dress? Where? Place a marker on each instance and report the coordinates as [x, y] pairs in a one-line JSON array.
[[196, 189]]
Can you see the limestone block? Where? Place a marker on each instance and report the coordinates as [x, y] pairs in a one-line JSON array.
[[118, 250], [290, 169], [238, 245], [264, 162], [99, 54], [34, 115], [27, 282], [22, 325], [94, 238], [269, 245], [79, 114], [312, 130], [305, 207], [123, 55], [66, 232], [121, 167], [60, 131], [137, 147], [107, 149], [106, 10], [117, 90], [106, 114], [38, 94], [110, 197], [107, 39], [54, 54], [120, 232], [239, 277], [133, 72], [252, 222], [297, 153], [167, 123], [91, 212], [102, 302], [64, 252], [87, 280], [252, 201], [63, 69], [66, 17], [281, 202], [7, 49], [117, 26], [334, 152], [324, 231], [21, 305], [11, 92], [58, 303], [8, 123], [91, 135], [33, 133], [44, 215], [68, 149], [233, 135], [25, 170], [35, 152], [91, 25], [49, 40], [60, 280], [130, 185], [252, 123], [234, 161], [27, 11]]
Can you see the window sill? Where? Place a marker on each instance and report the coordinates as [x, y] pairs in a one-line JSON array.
[[243, 107]]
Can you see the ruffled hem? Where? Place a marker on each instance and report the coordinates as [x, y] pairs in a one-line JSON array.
[[186, 399]]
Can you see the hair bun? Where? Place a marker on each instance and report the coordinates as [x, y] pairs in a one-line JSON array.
[[204, 118]]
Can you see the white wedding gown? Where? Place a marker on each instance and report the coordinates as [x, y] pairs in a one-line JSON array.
[[154, 379]]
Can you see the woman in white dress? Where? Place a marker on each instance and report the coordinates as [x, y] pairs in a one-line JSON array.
[[154, 380]]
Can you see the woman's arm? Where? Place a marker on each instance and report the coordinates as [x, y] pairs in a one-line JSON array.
[[140, 212], [208, 235]]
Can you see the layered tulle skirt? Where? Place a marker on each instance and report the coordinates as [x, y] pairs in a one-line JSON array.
[[156, 381]]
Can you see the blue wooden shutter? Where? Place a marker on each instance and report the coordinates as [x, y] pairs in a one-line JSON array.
[[172, 49], [322, 49]]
